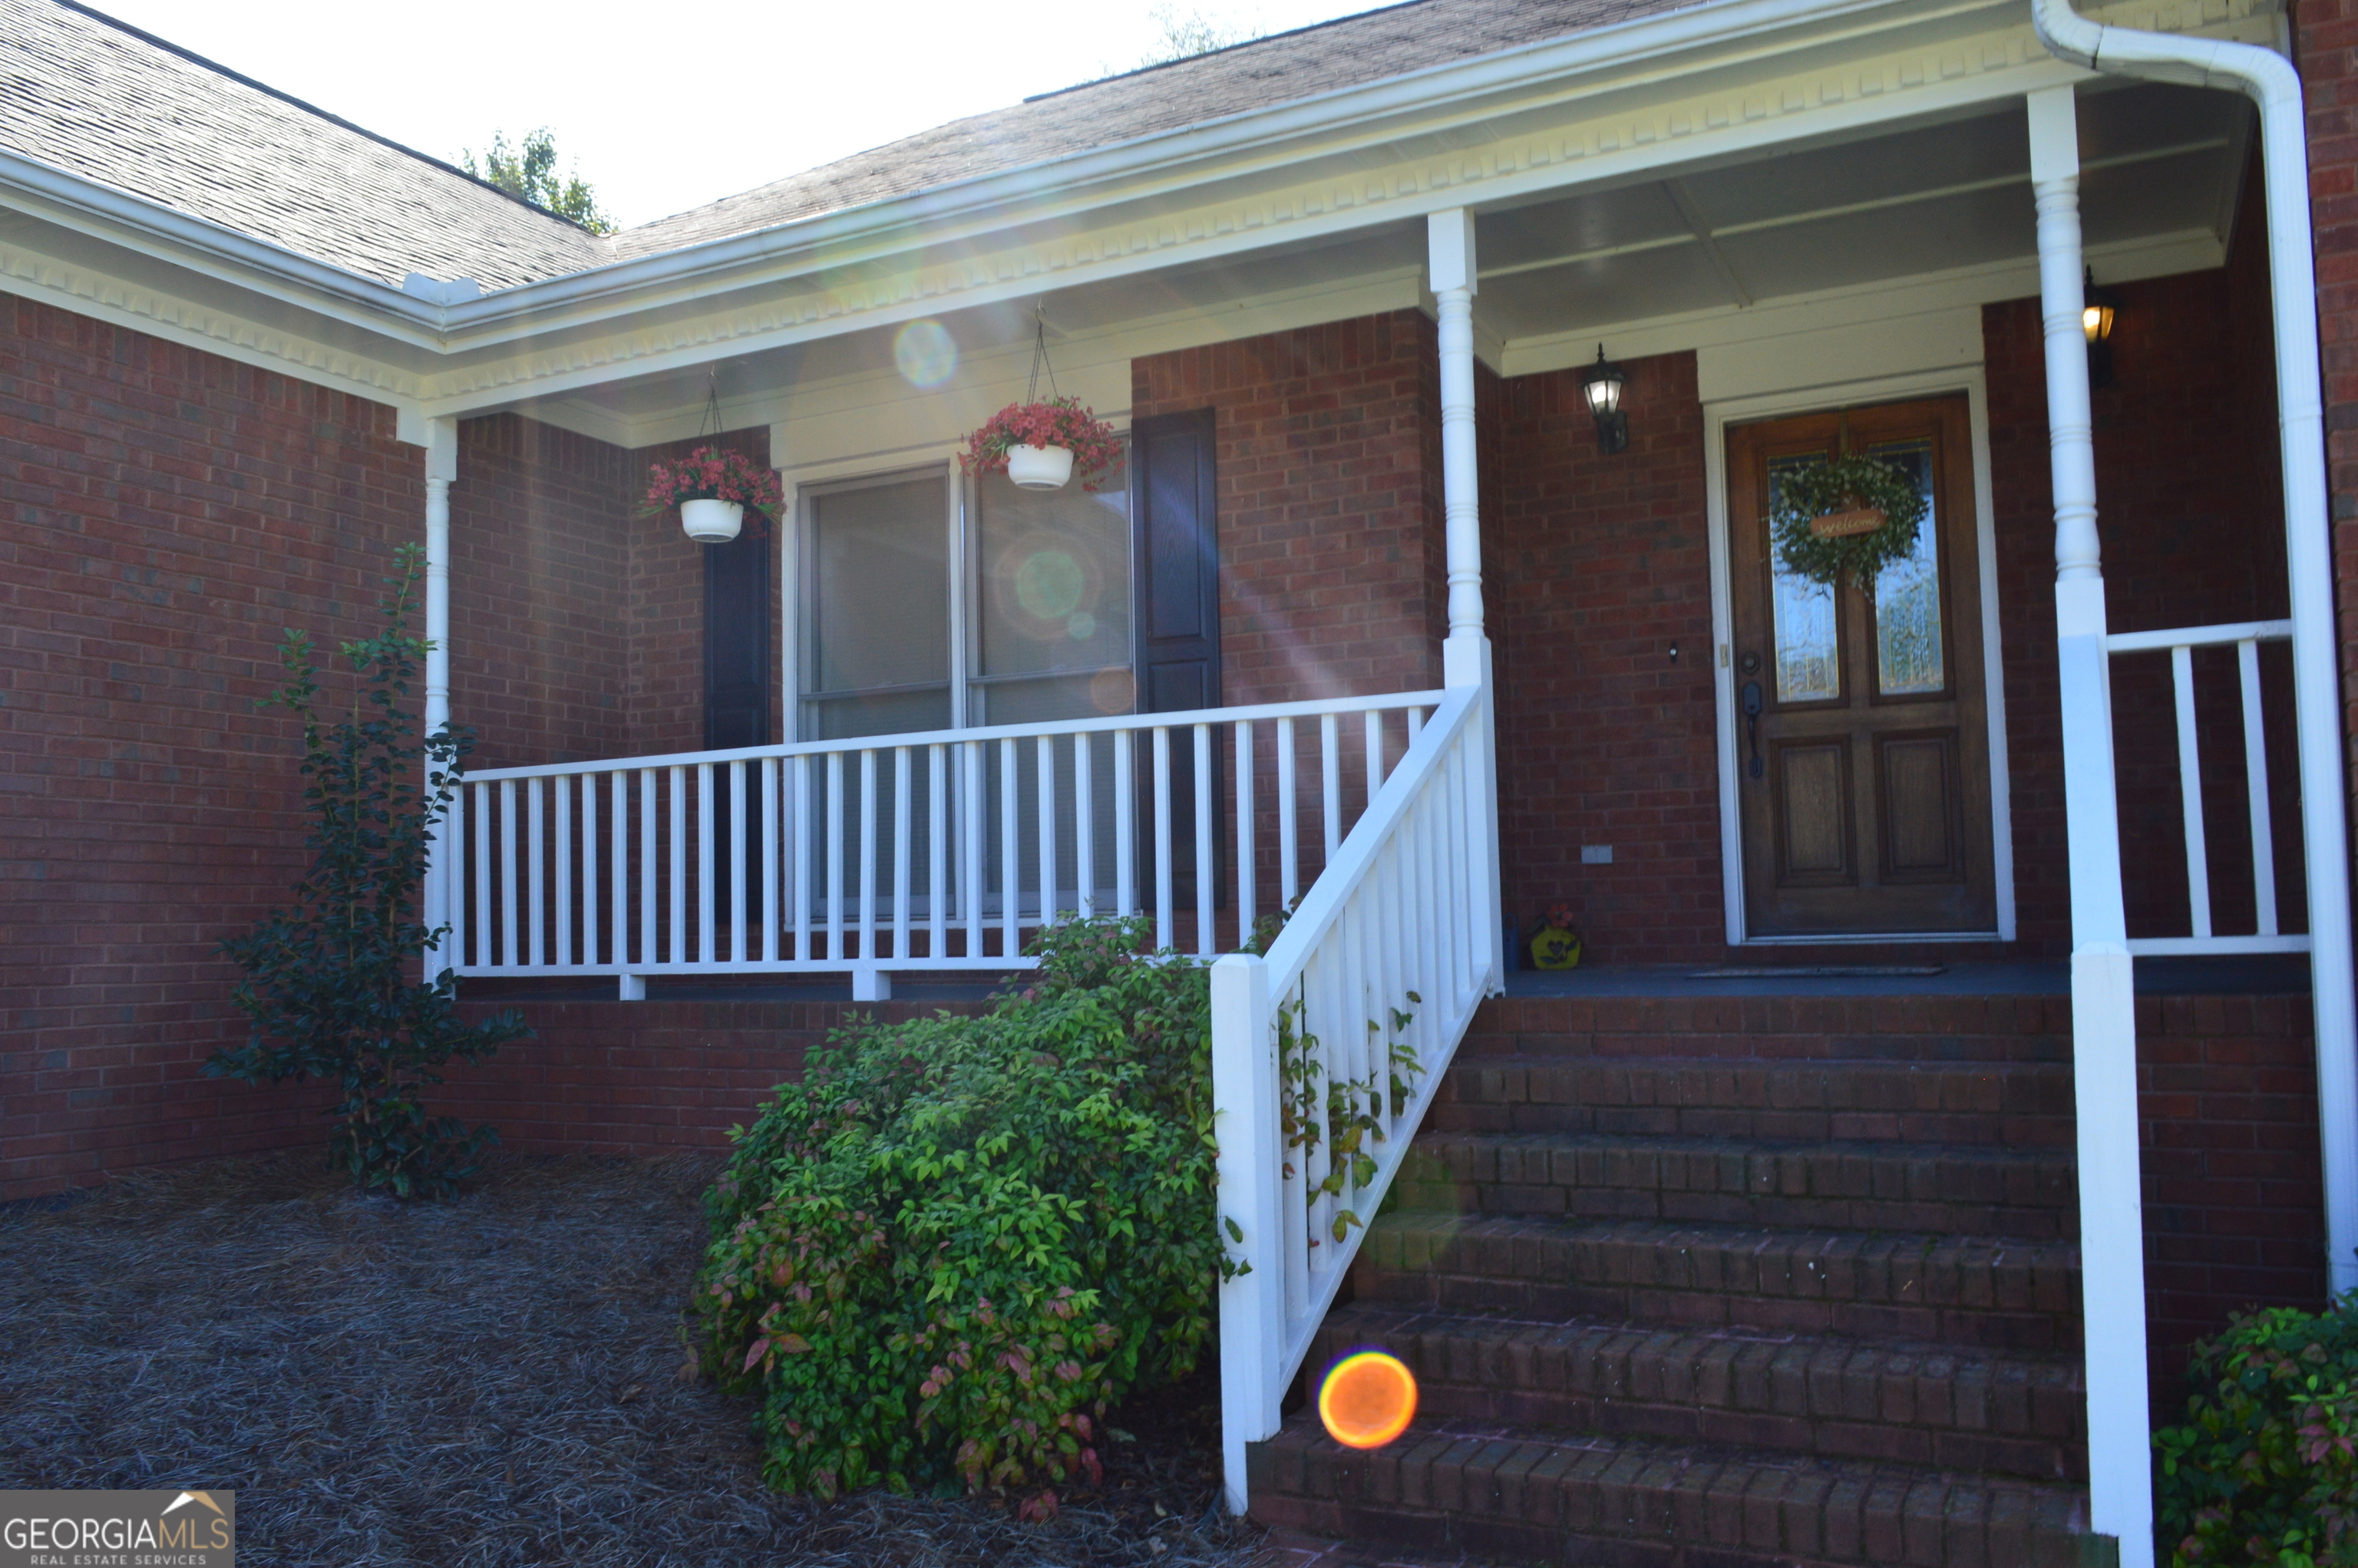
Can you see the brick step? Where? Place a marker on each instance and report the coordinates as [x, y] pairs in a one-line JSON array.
[[1839, 1185], [2018, 1104], [2015, 1029], [2014, 1413], [1949, 1289], [1529, 1497]]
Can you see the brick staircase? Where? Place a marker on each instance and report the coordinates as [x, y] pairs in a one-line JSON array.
[[1724, 1283]]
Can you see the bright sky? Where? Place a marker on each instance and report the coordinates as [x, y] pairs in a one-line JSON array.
[[663, 107]]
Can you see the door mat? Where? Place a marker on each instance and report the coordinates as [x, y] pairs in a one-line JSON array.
[[1822, 972]]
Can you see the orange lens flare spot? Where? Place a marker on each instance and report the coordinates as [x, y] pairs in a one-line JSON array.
[[1368, 1400]]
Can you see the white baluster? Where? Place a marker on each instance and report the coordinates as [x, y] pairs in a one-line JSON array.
[[868, 854], [563, 784], [1047, 798], [1163, 897], [676, 951], [835, 854], [1125, 825], [971, 846], [453, 858], [937, 850], [508, 876], [650, 869], [1245, 867], [903, 850], [1010, 855], [740, 807], [1206, 878], [1330, 764], [1289, 836], [1375, 749], [803, 867], [2255, 782], [535, 876], [770, 913], [2190, 785], [591, 947], [1085, 826]]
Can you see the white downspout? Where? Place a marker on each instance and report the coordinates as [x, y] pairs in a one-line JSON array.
[[441, 469], [2270, 82]]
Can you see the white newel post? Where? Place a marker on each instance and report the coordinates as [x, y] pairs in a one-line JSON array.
[[2104, 1001], [1245, 1121], [1465, 655], [441, 470]]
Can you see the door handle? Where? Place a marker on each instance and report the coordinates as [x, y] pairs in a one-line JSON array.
[[1752, 704]]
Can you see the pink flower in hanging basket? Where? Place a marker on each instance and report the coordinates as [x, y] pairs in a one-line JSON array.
[[1060, 422], [712, 474]]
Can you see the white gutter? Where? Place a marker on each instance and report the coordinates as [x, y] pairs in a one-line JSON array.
[[2270, 82]]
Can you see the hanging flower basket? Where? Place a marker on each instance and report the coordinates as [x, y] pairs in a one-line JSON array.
[[712, 487], [1849, 517], [1023, 439]]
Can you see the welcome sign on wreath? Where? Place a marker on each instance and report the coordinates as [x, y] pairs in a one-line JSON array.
[[1848, 516]]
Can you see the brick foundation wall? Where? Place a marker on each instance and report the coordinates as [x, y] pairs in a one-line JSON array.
[[1599, 566], [648, 1078]]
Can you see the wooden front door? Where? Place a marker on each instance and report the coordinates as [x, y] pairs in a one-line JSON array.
[[1861, 722]]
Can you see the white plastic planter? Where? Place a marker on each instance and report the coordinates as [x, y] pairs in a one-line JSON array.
[[1040, 468], [717, 521]]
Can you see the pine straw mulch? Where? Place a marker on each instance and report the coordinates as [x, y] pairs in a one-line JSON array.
[[498, 1380]]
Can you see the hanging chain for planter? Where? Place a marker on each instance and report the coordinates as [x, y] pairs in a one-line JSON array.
[[1850, 516], [709, 427], [1039, 360]]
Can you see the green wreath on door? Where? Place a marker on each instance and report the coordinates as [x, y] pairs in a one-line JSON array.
[[1845, 487]]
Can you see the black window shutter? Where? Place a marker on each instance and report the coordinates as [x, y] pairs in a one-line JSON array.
[[1175, 539]]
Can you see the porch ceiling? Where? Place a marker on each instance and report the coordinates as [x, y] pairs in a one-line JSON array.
[[2161, 162]]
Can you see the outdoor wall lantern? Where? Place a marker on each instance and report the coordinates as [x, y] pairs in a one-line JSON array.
[[2096, 312], [1601, 384]]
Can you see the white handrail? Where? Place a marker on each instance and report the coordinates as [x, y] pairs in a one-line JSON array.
[[2244, 637], [877, 854], [1398, 927]]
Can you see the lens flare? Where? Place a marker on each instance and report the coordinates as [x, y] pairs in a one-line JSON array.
[[1368, 1400], [926, 353]]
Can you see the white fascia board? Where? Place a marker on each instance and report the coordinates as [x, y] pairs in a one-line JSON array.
[[1619, 143]]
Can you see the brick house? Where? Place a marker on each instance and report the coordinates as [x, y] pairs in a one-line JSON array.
[[1380, 618]]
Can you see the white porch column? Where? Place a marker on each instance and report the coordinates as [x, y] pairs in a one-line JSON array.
[[441, 468], [2104, 1002], [1465, 652]]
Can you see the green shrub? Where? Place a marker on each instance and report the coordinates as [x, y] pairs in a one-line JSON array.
[[942, 1257], [332, 985], [2266, 1468]]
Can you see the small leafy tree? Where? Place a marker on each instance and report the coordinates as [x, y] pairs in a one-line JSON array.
[[528, 172], [330, 985]]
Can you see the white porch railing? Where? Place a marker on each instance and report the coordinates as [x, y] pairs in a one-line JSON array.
[[926, 852], [1404, 922], [2245, 637]]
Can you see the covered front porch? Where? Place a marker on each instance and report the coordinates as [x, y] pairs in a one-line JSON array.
[[1375, 632]]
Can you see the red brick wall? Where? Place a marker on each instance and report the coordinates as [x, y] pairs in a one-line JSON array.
[[540, 546], [2192, 532], [664, 606], [1598, 565], [168, 515], [2325, 47], [1329, 493]]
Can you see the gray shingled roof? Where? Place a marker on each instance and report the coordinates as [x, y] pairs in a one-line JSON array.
[[98, 100], [105, 102], [1257, 75]]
